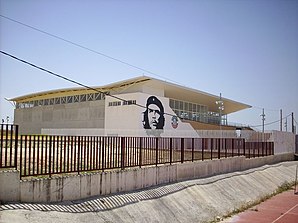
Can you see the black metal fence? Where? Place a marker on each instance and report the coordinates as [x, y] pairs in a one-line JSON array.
[[8, 146], [47, 155], [37, 155]]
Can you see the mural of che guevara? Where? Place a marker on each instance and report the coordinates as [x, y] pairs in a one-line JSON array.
[[153, 116]]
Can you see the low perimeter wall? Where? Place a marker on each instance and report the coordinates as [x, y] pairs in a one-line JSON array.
[[104, 183]]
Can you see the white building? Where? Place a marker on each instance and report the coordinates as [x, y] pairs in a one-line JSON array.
[[139, 106]]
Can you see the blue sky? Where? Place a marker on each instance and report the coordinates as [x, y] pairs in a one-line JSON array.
[[246, 50]]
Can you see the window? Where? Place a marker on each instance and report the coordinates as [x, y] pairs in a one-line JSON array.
[[129, 102], [82, 97], [46, 101], [40, 103], [97, 96], [90, 97], [69, 99], [57, 101], [114, 103], [76, 98], [63, 100], [51, 102]]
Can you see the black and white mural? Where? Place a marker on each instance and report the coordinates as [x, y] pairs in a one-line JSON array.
[[153, 117]]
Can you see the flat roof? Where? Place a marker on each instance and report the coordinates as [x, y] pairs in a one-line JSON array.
[[171, 90]]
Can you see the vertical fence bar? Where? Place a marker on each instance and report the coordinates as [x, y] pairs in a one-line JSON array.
[[50, 156], [182, 150], [46, 154], [140, 151], [103, 152], [226, 149], [239, 145], [211, 149], [219, 148], [233, 146], [79, 155], [21, 157], [156, 151], [16, 147], [1, 144], [11, 146], [203, 147], [38, 153], [75, 152], [171, 151], [249, 148], [33, 159], [122, 152], [29, 160], [192, 149], [42, 155], [6, 145]]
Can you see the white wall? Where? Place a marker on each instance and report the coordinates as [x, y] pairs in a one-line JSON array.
[[127, 120], [284, 142]]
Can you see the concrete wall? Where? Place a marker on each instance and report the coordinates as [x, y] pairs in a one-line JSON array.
[[284, 142], [105, 183], [9, 185], [89, 114]]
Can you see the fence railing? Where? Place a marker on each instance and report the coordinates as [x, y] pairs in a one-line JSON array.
[[8, 146], [47, 155], [35, 155]]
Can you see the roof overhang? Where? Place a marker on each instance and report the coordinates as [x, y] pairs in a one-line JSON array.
[[171, 90]]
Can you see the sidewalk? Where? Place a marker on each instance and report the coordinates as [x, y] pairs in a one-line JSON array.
[[282, 208]]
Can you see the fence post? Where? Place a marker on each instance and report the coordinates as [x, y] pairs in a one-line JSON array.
[[203, 147], [219, 147], [171, 151], [122, 152], [6, 145], [140, 153], [192, 149], [233, 145], [211, 149], [50, 155], [1, 145], [16, 146], [11, 146], [156, 151], [244, 147], [226, 150], [79, 153], [182, 150]]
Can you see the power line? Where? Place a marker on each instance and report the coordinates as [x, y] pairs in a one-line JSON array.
[[101, 54], [85, 48], [270, 123], [96, 90], [72, 81], [60, 76]]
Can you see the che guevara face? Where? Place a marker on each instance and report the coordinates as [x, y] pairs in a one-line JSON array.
[[153, 116]]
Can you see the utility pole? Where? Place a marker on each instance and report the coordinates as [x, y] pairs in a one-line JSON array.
[[293, 127], [286, 124], [221, 108], [281, 120], [263, 124]]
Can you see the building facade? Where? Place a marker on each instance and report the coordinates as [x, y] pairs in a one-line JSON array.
[[140, 106]]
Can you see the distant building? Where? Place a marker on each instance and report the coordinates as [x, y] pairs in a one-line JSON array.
[[139, 106]]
